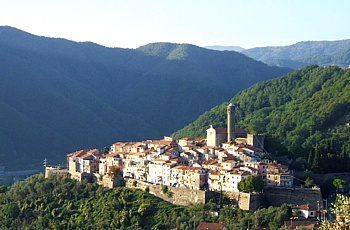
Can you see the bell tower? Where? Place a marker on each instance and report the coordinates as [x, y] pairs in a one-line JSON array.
[[231, 126]]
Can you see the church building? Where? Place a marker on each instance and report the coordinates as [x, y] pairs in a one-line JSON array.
[[217, 136]]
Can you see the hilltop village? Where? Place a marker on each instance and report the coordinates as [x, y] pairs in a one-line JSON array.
[[217, 163]]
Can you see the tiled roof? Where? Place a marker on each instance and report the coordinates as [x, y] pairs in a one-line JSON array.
[[229, 156], [228, 161], [210, 226], [245, 173], [163, 142], [230, 142], [307, 207], [221, 130], [240, 130], [178, 159], [82, 153], [298, 223], [112, 154]]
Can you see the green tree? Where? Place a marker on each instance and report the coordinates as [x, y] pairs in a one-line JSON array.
[[114, 171], [316, 163], [341, 209], [3, 189], [339, 184], [164, 188], [309, 182], [310, 159], [252, 183]]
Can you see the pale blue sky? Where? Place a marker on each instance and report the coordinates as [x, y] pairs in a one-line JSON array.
[[132, 23]]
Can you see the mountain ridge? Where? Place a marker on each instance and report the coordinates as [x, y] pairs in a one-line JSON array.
[[304, 53], [83, 95]]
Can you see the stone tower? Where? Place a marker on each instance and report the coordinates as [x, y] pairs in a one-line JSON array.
[[231, 126]]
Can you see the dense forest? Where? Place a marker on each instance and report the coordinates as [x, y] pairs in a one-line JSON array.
[[58, 96], [63, 203], [304, 53], [304, 115]]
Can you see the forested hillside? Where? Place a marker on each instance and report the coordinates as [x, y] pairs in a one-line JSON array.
[[61, 203], [305, 115], [58, 96], [301, 54]]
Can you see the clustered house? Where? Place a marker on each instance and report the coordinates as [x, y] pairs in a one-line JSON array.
[[217, 163]]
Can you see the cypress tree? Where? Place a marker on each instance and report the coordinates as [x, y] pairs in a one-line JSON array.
[[310, 160], [316, 163]]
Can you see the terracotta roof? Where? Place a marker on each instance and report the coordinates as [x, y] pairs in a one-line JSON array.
[[82, 153], [159, 160], [86, 155], [221, 130], [240, 130], [210, 226], [277, 166], [253, 169], [230, 142], [199, 139], [307, 207], [214, 172], [163, 142], [112, 154], [229, 156], [119, 144], [240, 149], [228, 161], [178, 159], [297, 223], [187, 139]]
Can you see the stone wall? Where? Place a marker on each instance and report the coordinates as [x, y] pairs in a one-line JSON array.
[[106, 181], [296, 196], [49, 170], [276, 196], [245, 201], [178, 196], [184, 196]]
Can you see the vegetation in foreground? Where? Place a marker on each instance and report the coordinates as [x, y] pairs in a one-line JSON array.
[[63, 203]]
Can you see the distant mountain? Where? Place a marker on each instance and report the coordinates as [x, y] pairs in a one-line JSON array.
[[223, 48], [58, 96], [305, 53], [305, 111]]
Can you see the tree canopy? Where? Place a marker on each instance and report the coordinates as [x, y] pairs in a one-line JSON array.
[[339, 184], [341, 209], [252, 183], [62, 203]]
